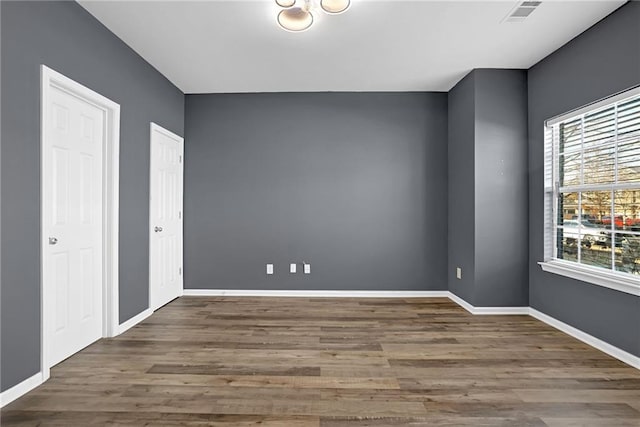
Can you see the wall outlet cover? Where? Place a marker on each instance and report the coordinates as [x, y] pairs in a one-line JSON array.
[[458, 273], [292, 268], [269, 268], [307, 269]]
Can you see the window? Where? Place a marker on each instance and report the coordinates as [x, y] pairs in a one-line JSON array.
[[592, 193]]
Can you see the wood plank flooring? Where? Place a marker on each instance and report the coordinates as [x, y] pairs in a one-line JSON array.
[[333, 362]]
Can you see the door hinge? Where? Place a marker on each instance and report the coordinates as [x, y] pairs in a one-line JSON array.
[[179, 214], [180, 158], [180, 271]]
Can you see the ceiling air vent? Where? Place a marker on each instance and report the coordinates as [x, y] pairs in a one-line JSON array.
[[521, 11]]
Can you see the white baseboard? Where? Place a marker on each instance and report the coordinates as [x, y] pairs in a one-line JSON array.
[[502, 310], [597, 343], [20, 389], [315, 294], [134, 321], [462, 303], [487, 310]]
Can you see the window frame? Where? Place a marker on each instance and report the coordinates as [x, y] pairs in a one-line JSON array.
[[609, 278]]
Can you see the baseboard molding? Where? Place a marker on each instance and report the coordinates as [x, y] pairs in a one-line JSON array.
[[505, 311], [597, 343], [20, 389], [314, 294], [488, 310], [134, 321], [462, 303]]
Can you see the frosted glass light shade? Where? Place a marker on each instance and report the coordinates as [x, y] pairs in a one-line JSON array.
[[285, 3], [295, 19], [335, 6]]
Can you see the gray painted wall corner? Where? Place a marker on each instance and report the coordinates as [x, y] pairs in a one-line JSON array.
[[461, 194], [488, 188], [501, 198]]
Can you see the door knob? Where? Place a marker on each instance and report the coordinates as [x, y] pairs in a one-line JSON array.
[[157, 229], [53, 240]]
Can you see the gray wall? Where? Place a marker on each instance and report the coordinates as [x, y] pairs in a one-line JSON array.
[[602, 61], [461, 233], [353, 183], [488, 188], [501, 203], [65, 37]]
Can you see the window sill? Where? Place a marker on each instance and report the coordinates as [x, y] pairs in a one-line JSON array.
[[618, 281]]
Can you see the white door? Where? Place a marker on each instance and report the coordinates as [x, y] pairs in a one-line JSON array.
[[72, 222], [167, 167]]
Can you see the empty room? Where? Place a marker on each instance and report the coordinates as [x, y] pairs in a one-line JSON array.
[[320, 213]]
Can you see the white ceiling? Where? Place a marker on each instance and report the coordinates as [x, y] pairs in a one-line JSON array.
[[236, 46]]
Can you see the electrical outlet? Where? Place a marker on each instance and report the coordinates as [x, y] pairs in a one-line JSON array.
[[292, 268], [458, 273], [269, 268], [307, 268]]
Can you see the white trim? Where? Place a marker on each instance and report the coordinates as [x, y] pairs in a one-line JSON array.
[[620, 96], [597, 343], [134, 321], [50, 78], [315, 294], [154, 127], [487, 310], [506, 311], [462, 303], [618, 281], [157, 128], [112, 218], [20, 389], [600, 187]]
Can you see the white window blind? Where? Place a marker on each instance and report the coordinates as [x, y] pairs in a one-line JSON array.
[[592, 186], [550, 178]]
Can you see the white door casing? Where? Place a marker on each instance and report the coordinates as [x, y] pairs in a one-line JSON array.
[[79, 217], [165, 217]]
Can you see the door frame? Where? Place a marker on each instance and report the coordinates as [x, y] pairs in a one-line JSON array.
[[50, 79], [154, 127]]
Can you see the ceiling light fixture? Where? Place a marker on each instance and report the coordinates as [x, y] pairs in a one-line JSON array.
[[285, 3], [334, 7], [297, 15], [295, 19]]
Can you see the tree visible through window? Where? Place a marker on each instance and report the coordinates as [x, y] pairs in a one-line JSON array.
[[592, 174]]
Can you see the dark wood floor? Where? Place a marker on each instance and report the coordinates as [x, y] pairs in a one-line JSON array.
[[333, 362]]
